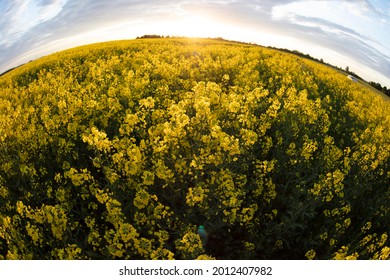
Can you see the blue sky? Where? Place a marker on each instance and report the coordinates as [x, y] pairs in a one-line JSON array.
[[354, 33]]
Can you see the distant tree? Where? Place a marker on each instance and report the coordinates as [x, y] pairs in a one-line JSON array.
[[147, 36], [347, 69], [378, 86], [386, 90]]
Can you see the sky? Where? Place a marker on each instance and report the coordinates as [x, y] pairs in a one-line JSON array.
[[353, 33]]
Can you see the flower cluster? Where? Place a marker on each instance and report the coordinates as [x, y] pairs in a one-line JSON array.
[[121, 150]]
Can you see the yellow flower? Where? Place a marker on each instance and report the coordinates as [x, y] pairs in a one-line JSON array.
[[205, 257], [162, 254], [141, 199], [310, 254]]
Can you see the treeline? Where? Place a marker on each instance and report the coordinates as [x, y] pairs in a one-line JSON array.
[[375, 85], [13, 68], [5, 72], [154, 36], [298, 53], [379, 87], [308, 56]]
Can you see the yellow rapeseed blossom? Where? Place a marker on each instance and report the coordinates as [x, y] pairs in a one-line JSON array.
[[121, 150], [310, 254]]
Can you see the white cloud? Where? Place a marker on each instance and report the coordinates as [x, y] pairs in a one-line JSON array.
[[51, 9], [351, 28], [23, 15]]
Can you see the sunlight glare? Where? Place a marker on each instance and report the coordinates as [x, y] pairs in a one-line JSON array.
[[195, 25]]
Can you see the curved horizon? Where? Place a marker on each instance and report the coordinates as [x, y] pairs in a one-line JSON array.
[[342, 33]]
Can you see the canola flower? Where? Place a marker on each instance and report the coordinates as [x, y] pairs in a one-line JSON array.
[[119, 150]]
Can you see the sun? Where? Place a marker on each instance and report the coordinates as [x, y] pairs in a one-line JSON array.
[[198, 25]]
